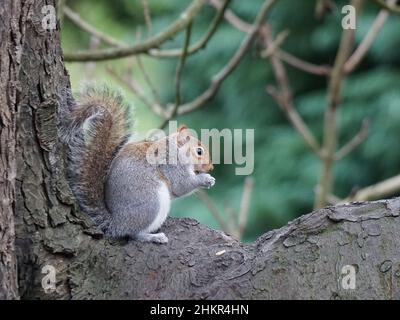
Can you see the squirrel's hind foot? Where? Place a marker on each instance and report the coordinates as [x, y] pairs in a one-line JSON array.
[[152, 237]]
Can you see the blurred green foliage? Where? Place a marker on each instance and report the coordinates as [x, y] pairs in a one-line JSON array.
[[285, 172]]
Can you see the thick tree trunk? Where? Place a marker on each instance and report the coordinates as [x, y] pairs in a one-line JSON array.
[[10, 56], [312, 257], [33, 190]]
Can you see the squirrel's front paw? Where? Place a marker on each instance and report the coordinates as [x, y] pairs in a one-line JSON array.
[[207, 181]]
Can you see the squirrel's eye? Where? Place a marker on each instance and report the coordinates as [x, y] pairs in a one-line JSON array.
[[199, 151]]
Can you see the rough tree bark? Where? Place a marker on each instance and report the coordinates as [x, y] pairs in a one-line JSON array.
[[301, 260], [9, 38]]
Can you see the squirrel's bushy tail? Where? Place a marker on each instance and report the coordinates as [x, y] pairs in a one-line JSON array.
[[98, 126]]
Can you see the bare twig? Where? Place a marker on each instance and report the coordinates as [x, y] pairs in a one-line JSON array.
[[333, 200], [77, 20], [284, 99], [369, 39], [232, 219], [60, 4], [273, 46], [319, 70], [322, 7], [232, 18], [179, 70], [139, 92], [118, 52], [330, 127], [377, 191], [157, 53], [244, 206], [201, 44], [388, 6], [147, 79], [245, 27], [358, 139], [236, 224], [147, 16], [178, 76], [205, 198], [90, 67], [219, 78]]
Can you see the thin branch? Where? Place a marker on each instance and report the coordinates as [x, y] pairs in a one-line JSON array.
[[178, 76], [320, 70], [60, 5], [157, 53], [201, 44], [380, 190], [147, 16], [118, 52], [232, 18], [179, 70], [284, 99], [357, 140], [85, 26], [147, 79], [333, 200], [322, 7], [219, 78], [369, 39], [206, 199], [245, 205], [232, 219], [139, 92], [295, 118], [90, 67], [391, 7], [273, 46], [330, 128], [298, 63]]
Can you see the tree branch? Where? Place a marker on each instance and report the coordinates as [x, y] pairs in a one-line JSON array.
[[85, 26], [283, 97], [319, 70], [219, 78], [148, 81], [298, 63], [244, 206], [369, 39], [205, 198], [358, 139], [201, 44], [118, 52], [388, 6], [379, 190], [330, 128], [178, 76], [304, 259], [138, 91], [232, 18], [147, 16]]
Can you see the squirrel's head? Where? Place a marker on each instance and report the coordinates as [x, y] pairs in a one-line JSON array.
[[194, 150]]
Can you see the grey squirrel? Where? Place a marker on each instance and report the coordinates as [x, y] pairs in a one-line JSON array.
[[124, 193]]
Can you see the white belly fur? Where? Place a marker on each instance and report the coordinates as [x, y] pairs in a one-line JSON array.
[[165, 204]]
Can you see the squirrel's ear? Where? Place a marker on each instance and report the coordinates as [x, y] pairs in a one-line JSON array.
[[182, 128], [183, 135]]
